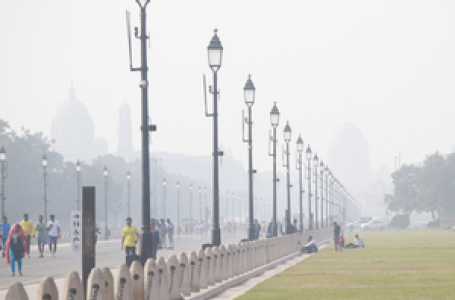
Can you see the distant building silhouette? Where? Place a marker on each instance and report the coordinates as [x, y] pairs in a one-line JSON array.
[[73, 132], [125, 133]]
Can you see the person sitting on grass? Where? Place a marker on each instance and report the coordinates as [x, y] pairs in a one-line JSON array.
[[358, 243], [311, 247]]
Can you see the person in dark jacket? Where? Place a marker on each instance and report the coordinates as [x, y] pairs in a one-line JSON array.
[[155, 238], [336, 236]]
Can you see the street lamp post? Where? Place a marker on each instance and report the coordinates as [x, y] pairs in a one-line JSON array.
[[44, 163], [233, 208], [215, 55], [287, 138], [178, 208], [164, 198], [106, 228], [327, 196], [3, 177], [200, 205], [309, 155], [249, 92], [274, 121], [299, 147], [128, 193], [226, 208], [78, 171], [321, 171], [146, 128], [191, 203], [316, 216]]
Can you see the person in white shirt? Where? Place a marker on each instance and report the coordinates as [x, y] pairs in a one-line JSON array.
[[53, 230], [358, 243], [311, 247]]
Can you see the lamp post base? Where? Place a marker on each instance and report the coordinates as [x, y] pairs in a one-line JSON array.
[[216, 237], [251, 235], [145, 246]]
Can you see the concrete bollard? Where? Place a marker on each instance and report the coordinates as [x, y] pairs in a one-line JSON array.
[[16, 291], [73, 287], [239, 259], [163, 289], [251, 254], [200, 270], [47, 289], [137, 280], [216, 264], [231, 260], [151, 283], [210, 274], [224, 263], [184, 270], [123, 285], [173, 277], [95, 285], [246, 264], [108, 283]]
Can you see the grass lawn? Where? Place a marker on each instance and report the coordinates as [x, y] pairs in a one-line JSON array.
[[394, 265]]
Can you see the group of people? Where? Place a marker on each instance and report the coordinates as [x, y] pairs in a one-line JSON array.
[[159, 230], [338, 240], [16, 239]]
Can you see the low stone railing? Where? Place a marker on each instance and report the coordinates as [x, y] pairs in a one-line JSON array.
[[166, 280]]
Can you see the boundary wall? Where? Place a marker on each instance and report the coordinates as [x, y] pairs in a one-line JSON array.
[[198, 274]]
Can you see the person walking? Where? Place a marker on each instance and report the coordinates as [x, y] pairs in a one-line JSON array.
[[130, 236], [29, 229], [4, 231], [336, 236], [155, 238], [16, 248], [257, 229], [170, 230], [53, 230], [41, 235], [163, 231]]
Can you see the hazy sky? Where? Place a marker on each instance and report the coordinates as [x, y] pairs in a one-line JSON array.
[[386, 66]]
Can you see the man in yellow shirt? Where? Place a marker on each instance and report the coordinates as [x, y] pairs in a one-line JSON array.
[[130, 235], [29, 229]]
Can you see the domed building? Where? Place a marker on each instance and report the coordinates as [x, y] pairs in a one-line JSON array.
[[73, 131]]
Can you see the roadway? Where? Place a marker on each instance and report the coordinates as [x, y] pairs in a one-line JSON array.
[[108, 254]]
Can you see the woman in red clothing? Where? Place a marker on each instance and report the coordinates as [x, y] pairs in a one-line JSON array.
[[16, 248]]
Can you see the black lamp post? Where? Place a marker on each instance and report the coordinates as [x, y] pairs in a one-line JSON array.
[[106, 199], [78, 171], [44, 163], [274, 121], [146, 128], [215, 55], [128, 193], [309, 155], [249, 92], [178, 208], [164, 198], [321, 171], [316, 212], [299, 147], [3, 177], [287, 138]]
